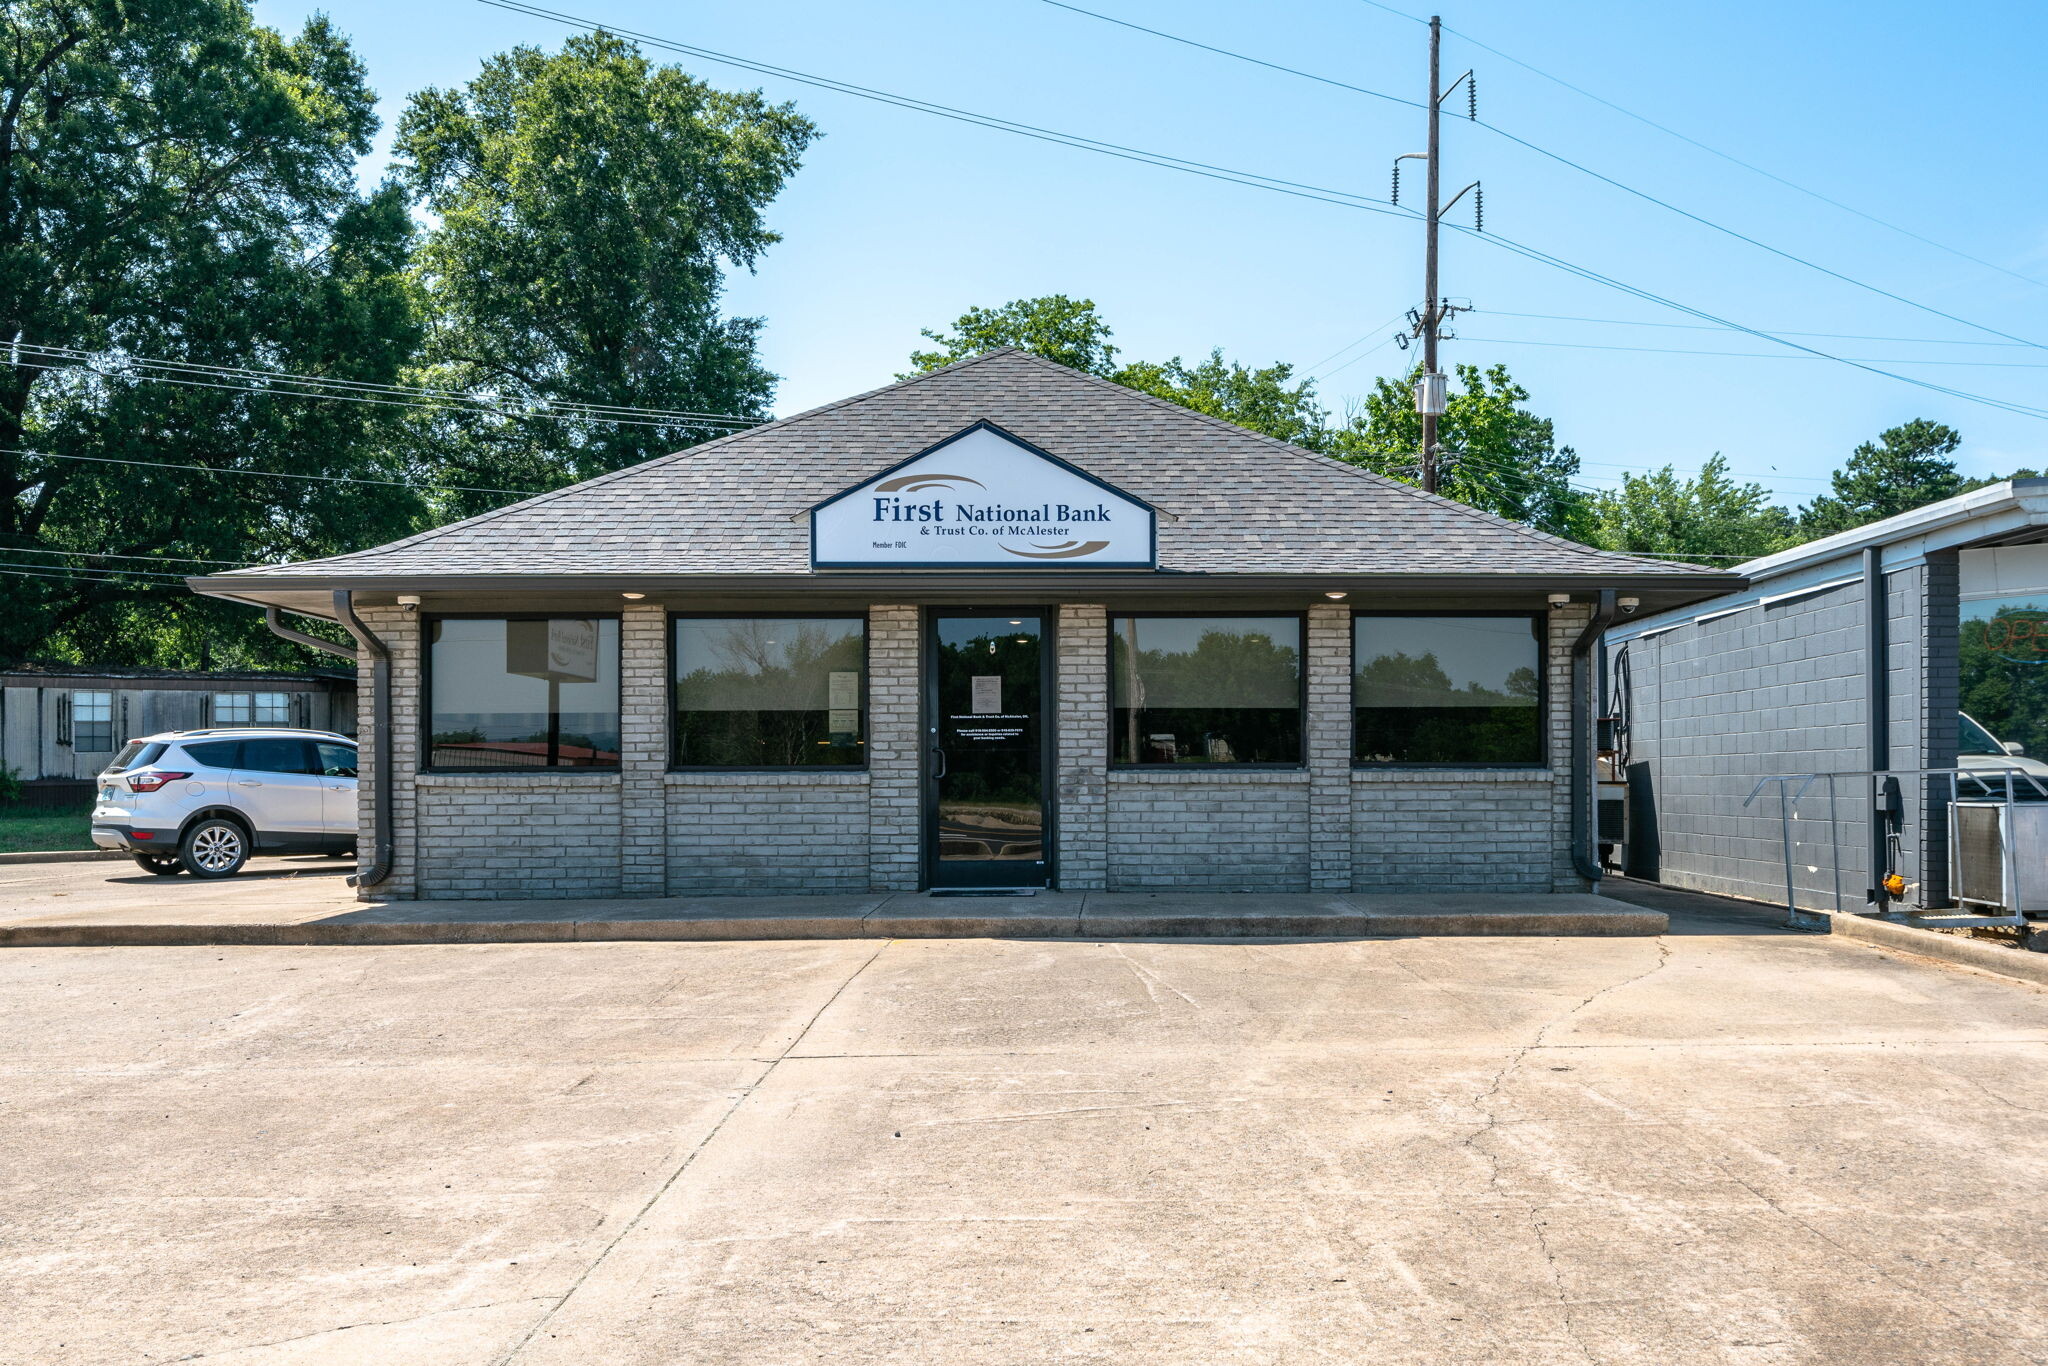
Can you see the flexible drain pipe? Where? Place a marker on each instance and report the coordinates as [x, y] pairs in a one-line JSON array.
[[1583, 701], [380, 721]]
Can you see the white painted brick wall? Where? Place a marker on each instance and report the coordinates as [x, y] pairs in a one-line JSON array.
[[771, 834], [1199, 831], [895, 744], [1081, 787], [494, 836], [643, 750]]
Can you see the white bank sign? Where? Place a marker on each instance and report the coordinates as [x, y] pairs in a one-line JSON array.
[[982, 498]]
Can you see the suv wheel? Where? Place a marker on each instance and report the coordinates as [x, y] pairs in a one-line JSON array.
[[163, 865], [214, 848]]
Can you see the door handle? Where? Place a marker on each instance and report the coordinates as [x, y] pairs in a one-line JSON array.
[[248, 782], [940, 755]]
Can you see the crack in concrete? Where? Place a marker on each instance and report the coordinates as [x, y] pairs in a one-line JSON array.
[[690, 1158], [1483, 1102], [1146, 977], [351, 1327]]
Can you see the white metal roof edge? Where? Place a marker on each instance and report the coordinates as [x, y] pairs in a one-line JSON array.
[[1905, 540]]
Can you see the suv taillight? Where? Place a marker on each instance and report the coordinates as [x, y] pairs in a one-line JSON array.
[[150, 782]]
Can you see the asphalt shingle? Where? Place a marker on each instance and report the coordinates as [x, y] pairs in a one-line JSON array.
[[1232, 501]]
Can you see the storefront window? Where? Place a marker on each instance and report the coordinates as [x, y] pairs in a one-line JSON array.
[[1206, 690], [2003, 659], [539, 692], [1447, 690], [770, 692]]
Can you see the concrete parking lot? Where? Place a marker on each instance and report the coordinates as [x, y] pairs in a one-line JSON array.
[[1727, 1144]]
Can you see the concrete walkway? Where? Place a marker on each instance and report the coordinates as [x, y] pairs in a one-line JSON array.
[[288, 901], [1731, 1146]]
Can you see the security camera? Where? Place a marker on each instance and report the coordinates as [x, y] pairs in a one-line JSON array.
[[409, 601], [1559, 599], [1628, 605]]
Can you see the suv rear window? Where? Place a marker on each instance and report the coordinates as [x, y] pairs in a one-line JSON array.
[[275, 756], [215, 753], [136, 754]]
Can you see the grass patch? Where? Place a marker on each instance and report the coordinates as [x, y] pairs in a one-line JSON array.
[[23, 829]]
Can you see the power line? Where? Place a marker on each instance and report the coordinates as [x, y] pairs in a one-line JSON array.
[[1703, 327], [1160, 159], [1310, 370], [1341, 198], [268, 474], [1586, 273], [45, 572], [1761, 355], [1747, 166], [680, 416], [1239, 56], [1563, 161], [1666, 204], [111, 555], [390, 402]]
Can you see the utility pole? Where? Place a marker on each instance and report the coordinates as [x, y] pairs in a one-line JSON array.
[[1429, 395], [1430, 385]]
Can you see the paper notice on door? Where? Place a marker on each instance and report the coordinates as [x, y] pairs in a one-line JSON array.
[[842, 688], [988, 694]]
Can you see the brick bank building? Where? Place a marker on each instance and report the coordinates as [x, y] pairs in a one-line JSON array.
[[1003, 625]]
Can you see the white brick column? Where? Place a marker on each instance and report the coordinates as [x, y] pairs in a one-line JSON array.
[[1081, 718], [1565, 625], [895, 749], [400, 632], [643, 750], [1326, 735]]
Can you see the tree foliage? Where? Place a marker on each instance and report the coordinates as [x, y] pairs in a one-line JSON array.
[[178, 182], [1712, 517], [585, 205], [1071, 333], [1905, 468], [1498, 455]]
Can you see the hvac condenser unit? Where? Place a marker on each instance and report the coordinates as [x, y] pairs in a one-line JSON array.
[[1984, 833]]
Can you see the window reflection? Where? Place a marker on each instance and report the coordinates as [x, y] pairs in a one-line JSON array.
[[769, 692], [524, 692], [1447, 690], [1207, 690]]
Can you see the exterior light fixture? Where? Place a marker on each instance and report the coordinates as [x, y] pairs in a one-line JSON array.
[[1335, 596], [632, 597], [1559, 599]]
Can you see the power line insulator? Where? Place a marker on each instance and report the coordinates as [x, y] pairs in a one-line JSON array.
[[1472, 97], [1478, 208], [1397, 183]]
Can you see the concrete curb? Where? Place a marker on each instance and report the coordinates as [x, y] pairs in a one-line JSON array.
[[2023, 964], [61, 856], [2020, 964], [1629, 922]]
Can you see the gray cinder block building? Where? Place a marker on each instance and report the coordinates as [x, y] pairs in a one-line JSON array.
[[1001, 625], [1917, 642]]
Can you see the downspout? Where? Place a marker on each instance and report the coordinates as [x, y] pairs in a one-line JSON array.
[[1583, 701], [380, 721], [1877, 727]]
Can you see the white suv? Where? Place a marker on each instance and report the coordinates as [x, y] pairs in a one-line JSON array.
[[205, 800]]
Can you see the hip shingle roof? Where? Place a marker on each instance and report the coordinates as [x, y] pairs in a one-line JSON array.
[[1231, 501]]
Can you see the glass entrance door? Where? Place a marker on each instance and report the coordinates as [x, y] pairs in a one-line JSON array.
[[985, 810]]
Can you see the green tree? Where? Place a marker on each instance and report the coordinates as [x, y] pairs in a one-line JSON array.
[[1260, 400], [1498, 455], [1068, 331], [1711, 517], [1905, 468], [585, 205], [1072, 333], [177, 182]]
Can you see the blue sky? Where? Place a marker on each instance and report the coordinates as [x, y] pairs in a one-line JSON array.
[[900, 220]]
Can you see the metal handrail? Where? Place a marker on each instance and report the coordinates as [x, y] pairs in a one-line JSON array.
[[1788, 797]]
